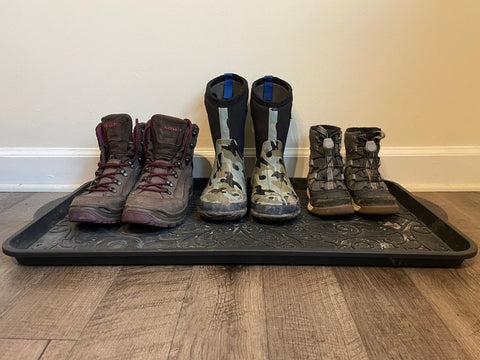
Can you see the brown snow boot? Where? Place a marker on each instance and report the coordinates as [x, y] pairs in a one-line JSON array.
[[118, 170], [161, 195]]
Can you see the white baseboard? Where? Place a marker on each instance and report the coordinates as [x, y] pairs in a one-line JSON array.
[[432, 168]]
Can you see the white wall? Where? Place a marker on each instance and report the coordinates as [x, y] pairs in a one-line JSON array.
[[411, 67]]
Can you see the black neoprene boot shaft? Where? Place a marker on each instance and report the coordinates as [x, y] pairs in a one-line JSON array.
[[271, 93], [226, 104]]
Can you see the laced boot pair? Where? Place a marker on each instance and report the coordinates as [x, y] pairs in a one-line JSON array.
[[121, 191], [225, 196], [335, 189]]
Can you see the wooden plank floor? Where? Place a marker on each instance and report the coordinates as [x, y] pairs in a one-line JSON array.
[[239, 312]]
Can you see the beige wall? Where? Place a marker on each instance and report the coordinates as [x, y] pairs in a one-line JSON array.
[[411, 67]]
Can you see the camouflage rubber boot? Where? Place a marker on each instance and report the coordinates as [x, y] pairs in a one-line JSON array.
[[327, 193], [225, 196], [273, 197], [370, 194], [161, 195], [118, 170]]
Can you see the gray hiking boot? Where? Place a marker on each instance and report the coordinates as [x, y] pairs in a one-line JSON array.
[[225, 196], [273, 197], [118, 170], [161, 195], [370, 194], [327, 193]]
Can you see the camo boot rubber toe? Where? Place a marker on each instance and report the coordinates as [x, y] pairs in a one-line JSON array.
[[225, 196], [273, 197]]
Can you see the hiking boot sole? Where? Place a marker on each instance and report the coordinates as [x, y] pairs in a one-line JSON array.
[[377, 210], [346, 209], [152, 217], [88, 214]]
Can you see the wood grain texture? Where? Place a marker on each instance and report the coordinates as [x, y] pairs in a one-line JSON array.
[[223, 316], [16, 210], [19, 349], [57, 350], [307, 316], [59, 305], [137, 317], [454, 293], [22, 207], [9, 200], [395, 321], [16, 281]]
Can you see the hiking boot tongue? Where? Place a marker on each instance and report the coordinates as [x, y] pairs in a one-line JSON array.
[[117, 132], [167, 136]]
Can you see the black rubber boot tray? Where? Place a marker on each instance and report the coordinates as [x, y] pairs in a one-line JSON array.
[[419, 235]]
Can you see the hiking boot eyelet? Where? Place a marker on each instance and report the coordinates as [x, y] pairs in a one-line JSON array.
[[194, 133], [187, 160], [118, 182], [168, 192], [111, 189], [192, 145]]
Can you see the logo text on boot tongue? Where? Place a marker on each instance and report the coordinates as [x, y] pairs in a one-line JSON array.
[[171, 128]]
